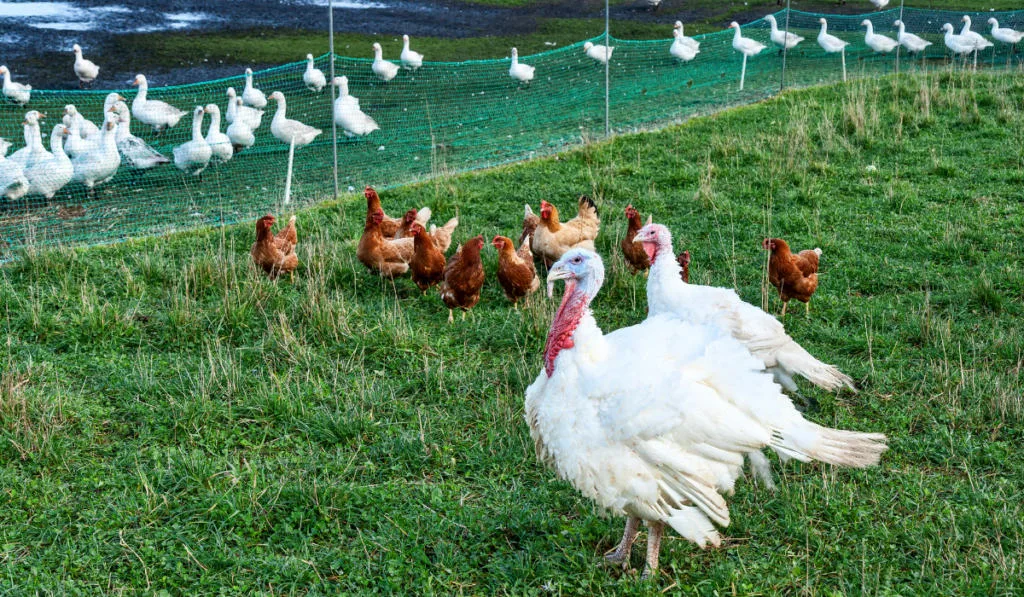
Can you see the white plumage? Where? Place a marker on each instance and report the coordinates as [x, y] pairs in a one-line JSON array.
[[33, 151], [652, 421], [880, 4], [193, 156], [828, 42], [681, 50], [16, 92], [745, 45], [347, 114], [46, 177], [287, 129], [783, 39], [911, 42], [220, 145], [13, 184], [1005, 34], [100, 163], [85, 70], [763, 334], [382, 68], [876, 42], [313, 78], [599, 52], [238, 111], [956, 43], [240, 133], [518, 71], [979, 41], [410, 59], [157, 114], [252, 96], [135, 153], [689, 41]]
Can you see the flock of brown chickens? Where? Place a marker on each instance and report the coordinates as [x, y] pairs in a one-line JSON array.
[[396, 246]]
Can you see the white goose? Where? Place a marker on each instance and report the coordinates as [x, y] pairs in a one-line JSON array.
[[653, 421], [956, 43], [16, 92], [880, 4], [979, 41], [410, 59], [13, 184], [74, 144], [286, 129], [911, 42], [239, 131], [237, 110], [382, 68], [745, 45], [220, 144], [783, 39], [689, 41], [313, 78], [46, 177], [832, 44], [1005, 34], [252, 96], [601, 53], [347, 114], [680, 50], [193, 156], [135, 153], [85, 70], [157, 114], [99, 164], [86, 129], [520, 72], [33, 151], [876, 42]]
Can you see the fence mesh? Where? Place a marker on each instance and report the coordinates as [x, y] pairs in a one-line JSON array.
[[444, 117]]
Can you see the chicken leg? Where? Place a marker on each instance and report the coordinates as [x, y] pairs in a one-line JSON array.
[[621, 552], [654, 531], [784, 305], [451, 318], [807, 305]]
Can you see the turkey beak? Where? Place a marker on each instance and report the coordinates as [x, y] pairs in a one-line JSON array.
[[557, 273]]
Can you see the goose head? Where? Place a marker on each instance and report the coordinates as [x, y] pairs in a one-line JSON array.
[[515, 53], [992, 21], [309, 58], [865, 23], [77, 49], [213, 109], [770, 19], [59, 131], [376, 47], [823, 21], [33, 117], [4, 70], [277, 96], [405, 38], [966, 19], [588, 45], [734, 25], [678, 25], [231, 93], [897, 23], [140, 80], [947, 28], [70, 110]]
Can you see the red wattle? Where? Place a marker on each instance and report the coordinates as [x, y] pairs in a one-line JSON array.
[[564, 325]]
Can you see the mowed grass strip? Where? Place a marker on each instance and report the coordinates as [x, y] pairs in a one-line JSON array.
[[170, 420]]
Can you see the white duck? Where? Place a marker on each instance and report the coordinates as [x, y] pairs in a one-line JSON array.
[[956, 43], [764, 335], [85, 70], [252, 96], [689, 41], [876, 42], [745, 45], [410, 59], [653, 421], [13, 184], [135, 153], [220, 144], [347, 114], [783, 39], [99, 164], [520, 72], [911, 42], [1005, 34], [382, 68], [157, 114], [240, 133], [46, 177], [33, 151], [880, 4], [16, 92], [828, 42], [601, 53], [681, 50], [237, 110], [313, 78], [286, 129], [193, 156]]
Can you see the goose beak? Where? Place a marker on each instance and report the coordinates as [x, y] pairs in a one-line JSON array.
[[119, 98]]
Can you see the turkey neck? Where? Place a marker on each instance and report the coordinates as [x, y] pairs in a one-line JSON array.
[[663, 262], [575, 304]]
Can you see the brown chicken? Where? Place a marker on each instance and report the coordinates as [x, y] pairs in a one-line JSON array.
[[796, 276], [553, 238], [427, 265], [390, 226], [636, 257], [463, 277], [389, 257], [404, 227], [443, 236], [516, 272], [275, 254], [684, 263], [530, 223]]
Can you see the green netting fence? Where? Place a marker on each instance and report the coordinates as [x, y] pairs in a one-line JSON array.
[[446, 117]]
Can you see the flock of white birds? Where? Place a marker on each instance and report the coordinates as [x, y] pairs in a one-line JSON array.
[[81, 151]]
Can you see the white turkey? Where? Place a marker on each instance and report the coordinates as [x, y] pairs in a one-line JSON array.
[[652, 421], [762, 333]]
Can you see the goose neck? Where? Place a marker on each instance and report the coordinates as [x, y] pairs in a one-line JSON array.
[[197, 126]]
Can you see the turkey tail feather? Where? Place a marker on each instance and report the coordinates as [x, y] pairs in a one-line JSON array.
[[809, 441], [792, 358]]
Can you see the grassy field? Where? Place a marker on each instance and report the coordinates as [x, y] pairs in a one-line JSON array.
[[169, 420]]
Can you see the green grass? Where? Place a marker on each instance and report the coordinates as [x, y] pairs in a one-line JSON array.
[[169, 420]]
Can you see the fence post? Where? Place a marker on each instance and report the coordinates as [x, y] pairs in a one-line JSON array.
[[785, 52], [334, 126], [607, 78], [899, 46]]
